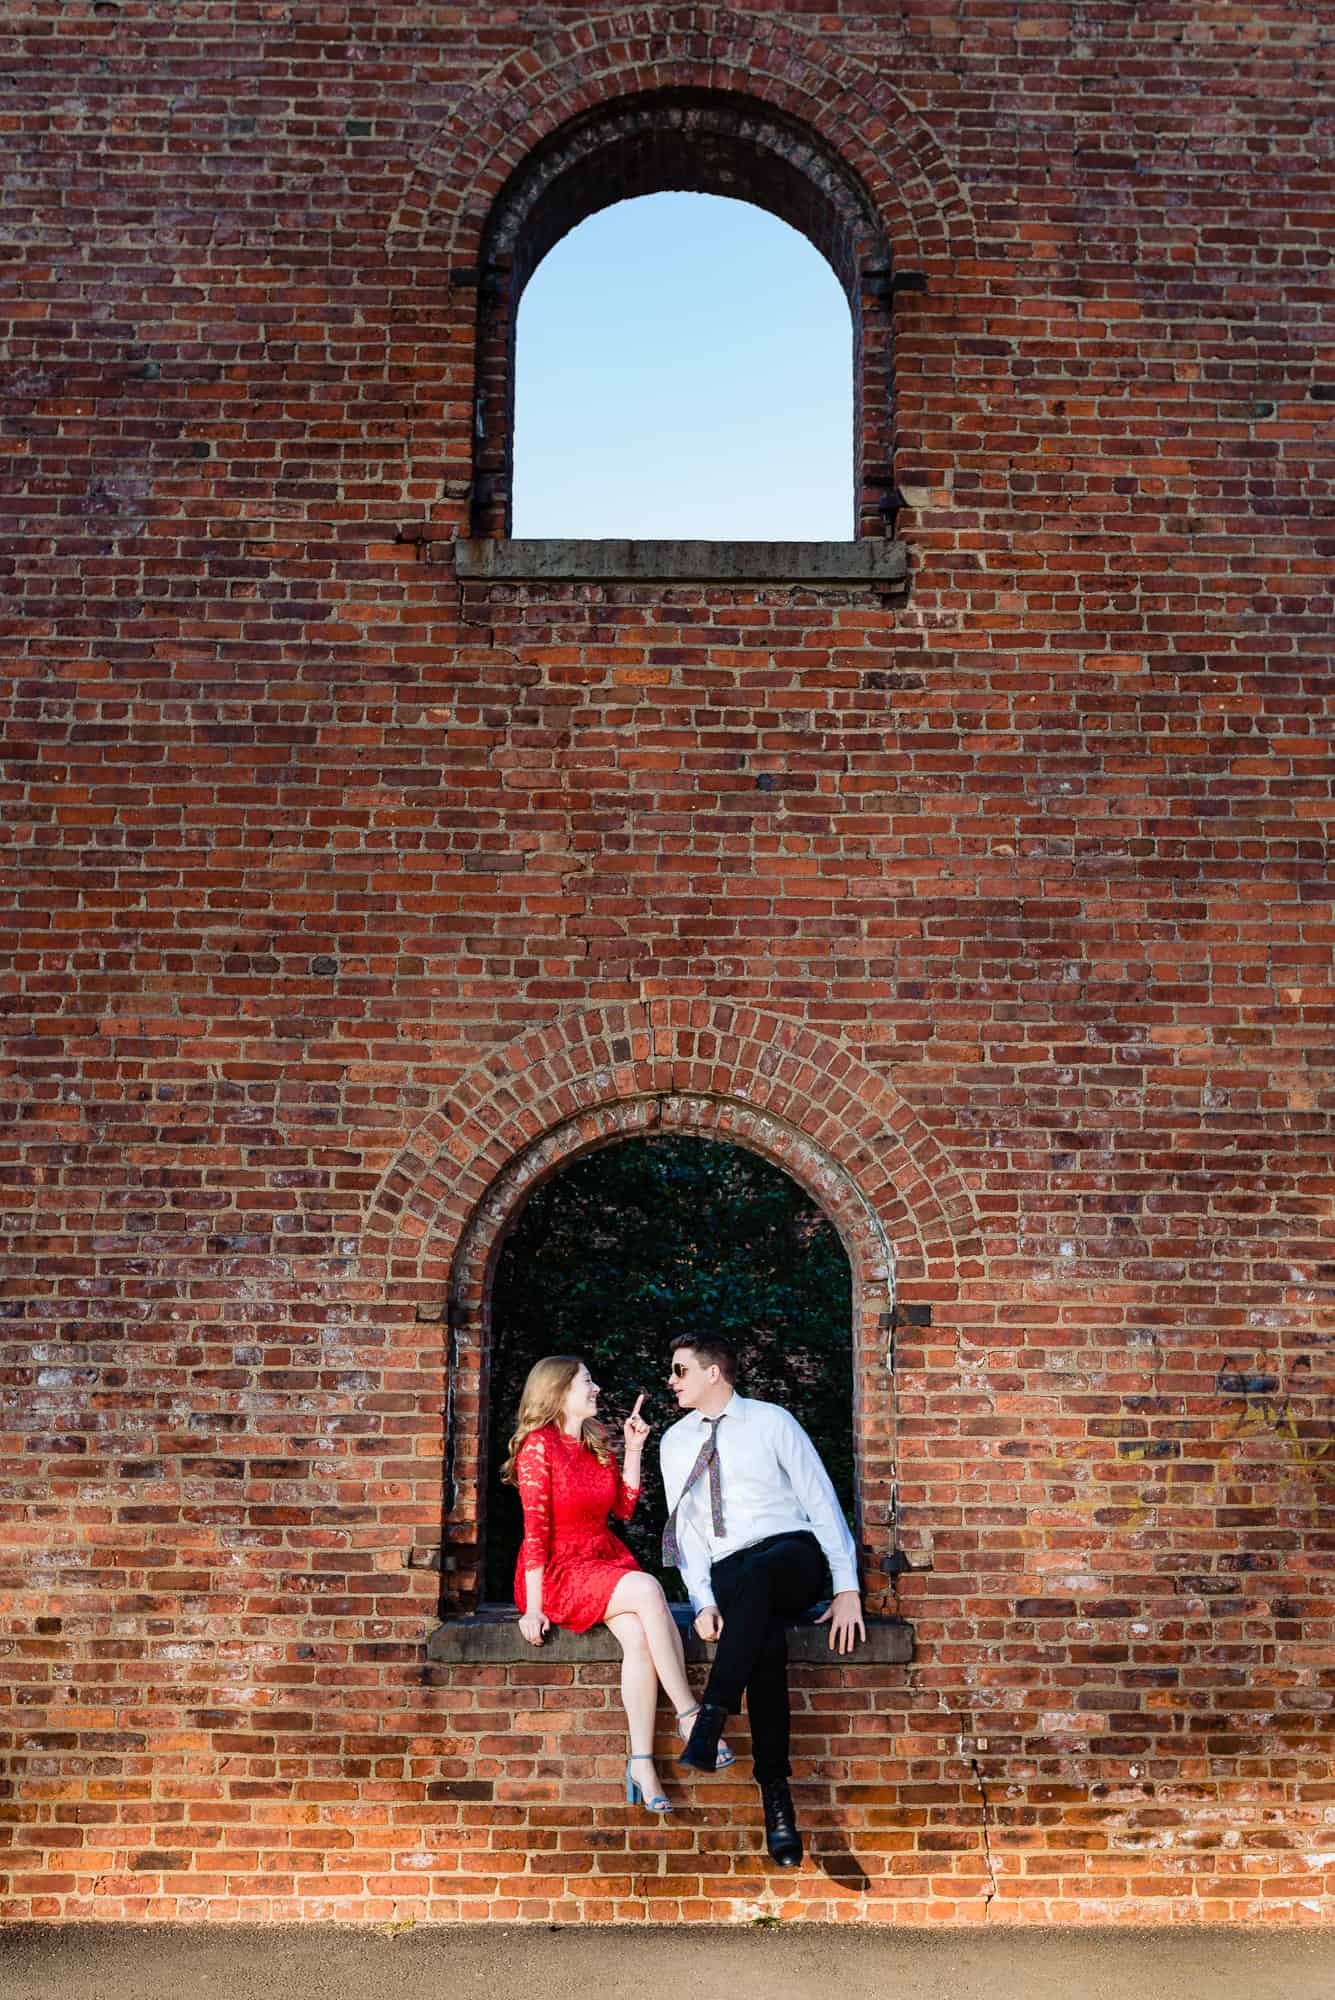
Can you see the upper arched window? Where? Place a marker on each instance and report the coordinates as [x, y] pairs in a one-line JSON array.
[[694, 143], [684, 368]]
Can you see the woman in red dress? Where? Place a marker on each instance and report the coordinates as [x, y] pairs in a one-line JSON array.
[[574, 1571]]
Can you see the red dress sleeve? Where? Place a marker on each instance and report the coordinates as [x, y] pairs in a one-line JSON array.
[[623, 1506], [533, 1475]]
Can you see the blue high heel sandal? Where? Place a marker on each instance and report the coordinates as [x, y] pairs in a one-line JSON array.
[[724, 1757], [635, 1791]]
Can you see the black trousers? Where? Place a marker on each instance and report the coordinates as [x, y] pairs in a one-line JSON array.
[[759, 1591]]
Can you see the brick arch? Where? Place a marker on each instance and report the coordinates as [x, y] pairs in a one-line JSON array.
[[856, 112], [687, 1115], [717, 1070], [708, 1049]]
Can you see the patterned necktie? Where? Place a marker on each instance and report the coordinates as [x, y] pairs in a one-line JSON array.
[[706, 1458]]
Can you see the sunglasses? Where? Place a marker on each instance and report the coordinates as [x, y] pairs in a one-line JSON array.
[[680, 1368]]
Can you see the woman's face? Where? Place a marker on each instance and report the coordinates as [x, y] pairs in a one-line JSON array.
[[581, 1399]]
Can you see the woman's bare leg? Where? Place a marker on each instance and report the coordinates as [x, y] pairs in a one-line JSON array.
[[639, 1695], [643, 1596]]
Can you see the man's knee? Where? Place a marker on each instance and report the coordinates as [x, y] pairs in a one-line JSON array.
[[798, 1577]]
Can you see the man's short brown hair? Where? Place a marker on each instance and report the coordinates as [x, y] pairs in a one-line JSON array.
[[711, 1351]]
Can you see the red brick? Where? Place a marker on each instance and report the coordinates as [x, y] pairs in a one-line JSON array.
[[997, 912]]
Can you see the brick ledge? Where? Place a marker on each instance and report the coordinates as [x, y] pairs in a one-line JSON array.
[[798, 563], [492, 1637]]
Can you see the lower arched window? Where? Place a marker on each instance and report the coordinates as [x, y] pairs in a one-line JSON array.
[[633, 1246]]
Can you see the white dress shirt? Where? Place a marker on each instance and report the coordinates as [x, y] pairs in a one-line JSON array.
[[772, 1481]]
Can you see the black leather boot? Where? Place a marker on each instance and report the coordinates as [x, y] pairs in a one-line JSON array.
[[781, 1835], [700, 1749]]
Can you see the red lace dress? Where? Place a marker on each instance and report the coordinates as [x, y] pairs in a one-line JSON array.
[[567, 1496]]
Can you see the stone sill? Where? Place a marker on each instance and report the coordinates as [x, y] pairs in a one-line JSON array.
[[492, 1637], [842, 565]]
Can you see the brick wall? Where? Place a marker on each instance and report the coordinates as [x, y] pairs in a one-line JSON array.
[[333, 884]]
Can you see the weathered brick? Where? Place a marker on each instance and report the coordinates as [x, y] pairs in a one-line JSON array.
[[344, 896]]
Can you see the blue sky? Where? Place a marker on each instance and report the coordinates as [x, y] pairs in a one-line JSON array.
[[684, 368]]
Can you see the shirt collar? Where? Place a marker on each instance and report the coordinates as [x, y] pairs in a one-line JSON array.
[[734, 1409]]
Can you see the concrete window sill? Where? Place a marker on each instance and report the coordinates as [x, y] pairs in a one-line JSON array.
[[492, 1637], [803, 564]]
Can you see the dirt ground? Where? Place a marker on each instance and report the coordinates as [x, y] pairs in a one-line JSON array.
[[313, 1962]]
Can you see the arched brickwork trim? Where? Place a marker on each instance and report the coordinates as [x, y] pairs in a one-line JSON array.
[[849, 113], [698, 141], [857, 113], [723, 1071]]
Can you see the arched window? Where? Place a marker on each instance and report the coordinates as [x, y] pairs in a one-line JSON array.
[[636, 1244], [692, 142], [684, 368]]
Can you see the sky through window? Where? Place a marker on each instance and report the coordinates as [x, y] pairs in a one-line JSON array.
[[684, 369]]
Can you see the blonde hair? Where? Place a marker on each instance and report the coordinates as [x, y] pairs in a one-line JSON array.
[[544, 1392]]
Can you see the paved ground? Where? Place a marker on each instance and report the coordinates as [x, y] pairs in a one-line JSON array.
[[815, 1962]]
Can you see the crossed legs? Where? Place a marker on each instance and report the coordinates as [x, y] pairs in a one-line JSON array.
[[642, 1624]]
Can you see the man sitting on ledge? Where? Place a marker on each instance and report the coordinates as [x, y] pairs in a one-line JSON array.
[[758, 1534]]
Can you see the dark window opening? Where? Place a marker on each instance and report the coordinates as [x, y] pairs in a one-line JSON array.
[[633, 1246]]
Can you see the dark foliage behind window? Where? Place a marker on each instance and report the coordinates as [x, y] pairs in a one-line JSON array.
[[649, 1239]]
